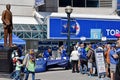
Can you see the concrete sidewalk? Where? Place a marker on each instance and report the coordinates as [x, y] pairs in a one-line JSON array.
[[56, 74]]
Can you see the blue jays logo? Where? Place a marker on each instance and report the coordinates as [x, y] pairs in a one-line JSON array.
[[74, 27], [77, 28]]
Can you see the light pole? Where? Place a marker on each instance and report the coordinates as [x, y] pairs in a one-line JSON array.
[[68, 11]]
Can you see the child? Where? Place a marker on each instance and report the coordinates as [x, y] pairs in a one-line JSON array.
[[18, 69]]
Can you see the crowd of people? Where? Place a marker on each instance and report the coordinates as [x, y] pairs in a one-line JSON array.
[[83, 59]]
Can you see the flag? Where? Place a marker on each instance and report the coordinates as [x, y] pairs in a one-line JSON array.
[[64, 28]]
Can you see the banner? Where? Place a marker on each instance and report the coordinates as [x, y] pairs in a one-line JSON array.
[[64, 27], [39, 2], [85, 27]]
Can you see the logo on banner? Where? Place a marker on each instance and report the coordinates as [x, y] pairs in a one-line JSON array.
[[77, 28], [74, 27]]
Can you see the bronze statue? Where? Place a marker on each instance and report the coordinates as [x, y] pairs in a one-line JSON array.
[[7, 25]]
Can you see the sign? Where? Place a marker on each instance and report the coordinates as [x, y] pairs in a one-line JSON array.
[[100, 62], [39, 2], [95, 33], [85, 27]]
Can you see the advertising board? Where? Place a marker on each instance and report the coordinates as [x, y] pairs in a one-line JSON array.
[[84, 27], [100, 63]]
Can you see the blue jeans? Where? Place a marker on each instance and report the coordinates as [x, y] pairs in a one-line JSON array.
[[27, 75], [17, 75]]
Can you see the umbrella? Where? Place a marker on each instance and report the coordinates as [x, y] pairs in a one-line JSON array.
[[117, 35]]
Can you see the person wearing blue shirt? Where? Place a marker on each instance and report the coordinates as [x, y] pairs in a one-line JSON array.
[[113, 61], [83, 59], [47, 54], [63, 52]]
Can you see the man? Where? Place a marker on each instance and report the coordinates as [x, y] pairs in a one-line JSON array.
[[83, 59], [113, 61], [47, 54], [107, 60], [91, 59], [7, 25]]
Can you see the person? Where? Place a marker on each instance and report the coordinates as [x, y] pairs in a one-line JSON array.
[[74, 57], [63, 52], [83, 59], [113, 61], [91, 59], [29, 63], [18, 69], [107, 60], [7, 25], [47, 54]]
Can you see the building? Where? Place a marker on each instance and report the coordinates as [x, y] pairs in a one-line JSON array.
[[82, 6]]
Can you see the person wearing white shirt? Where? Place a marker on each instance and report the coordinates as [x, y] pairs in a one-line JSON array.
[[75, 58]]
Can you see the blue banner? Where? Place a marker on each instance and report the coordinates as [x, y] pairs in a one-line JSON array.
[[118, 4], [39, 2], [64, 26], [109, 27]]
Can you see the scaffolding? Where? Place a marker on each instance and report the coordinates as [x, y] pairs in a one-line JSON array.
[[28, 31]]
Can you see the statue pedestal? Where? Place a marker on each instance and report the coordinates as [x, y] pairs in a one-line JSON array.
[[6, 60]]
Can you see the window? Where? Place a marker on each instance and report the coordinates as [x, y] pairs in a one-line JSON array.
[[85, 3], [92, 3], [78, 3], [64, 3]]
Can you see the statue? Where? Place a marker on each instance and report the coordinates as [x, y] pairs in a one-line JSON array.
[[7, 25]]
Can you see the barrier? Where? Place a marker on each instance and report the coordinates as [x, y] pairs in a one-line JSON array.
[[40, 65]]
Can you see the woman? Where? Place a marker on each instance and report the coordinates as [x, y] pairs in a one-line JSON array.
[[29, 62], [74, 58]]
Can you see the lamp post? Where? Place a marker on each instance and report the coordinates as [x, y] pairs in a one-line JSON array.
[[68, 11]]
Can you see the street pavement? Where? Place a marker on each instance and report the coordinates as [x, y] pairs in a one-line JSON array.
[[56, 74]]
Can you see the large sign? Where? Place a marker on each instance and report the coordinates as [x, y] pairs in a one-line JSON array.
[[85, 27]]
